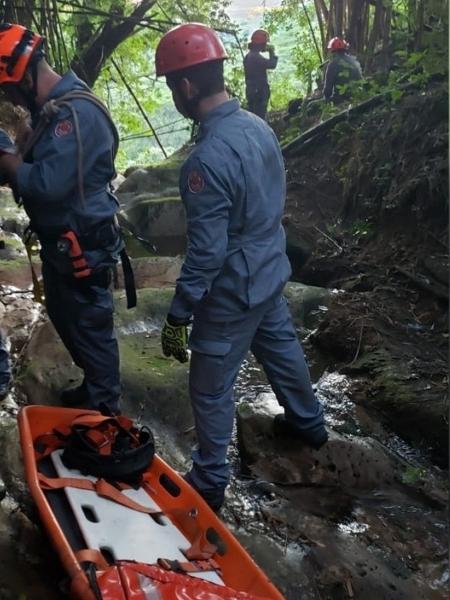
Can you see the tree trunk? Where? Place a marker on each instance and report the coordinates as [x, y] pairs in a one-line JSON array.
[[319, 15]]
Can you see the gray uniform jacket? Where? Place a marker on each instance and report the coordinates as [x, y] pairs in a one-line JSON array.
[[48, 181], [233, 187], [255, 67]]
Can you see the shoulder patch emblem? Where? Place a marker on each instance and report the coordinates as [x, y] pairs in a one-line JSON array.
[[196, 183], [63, 128]]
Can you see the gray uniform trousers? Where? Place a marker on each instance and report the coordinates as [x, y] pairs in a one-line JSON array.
[[82, 314], [218, 350]]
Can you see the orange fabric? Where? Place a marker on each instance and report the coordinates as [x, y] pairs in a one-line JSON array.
[[140, 582], [170, 491], [194, 566], [100, 487]]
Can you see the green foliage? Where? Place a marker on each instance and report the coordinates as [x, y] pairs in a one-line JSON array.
[[291, 22], [413, 475], [362, 229]]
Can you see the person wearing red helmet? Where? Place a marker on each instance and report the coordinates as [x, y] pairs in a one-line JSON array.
[[233, 188], [341, 70], [255, 67], [61, 174]]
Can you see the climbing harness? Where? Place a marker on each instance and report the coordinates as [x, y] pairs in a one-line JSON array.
[[111, 448]]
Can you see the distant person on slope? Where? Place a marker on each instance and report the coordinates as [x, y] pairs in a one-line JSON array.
[[256, 67], [233, 187], [341, 70]]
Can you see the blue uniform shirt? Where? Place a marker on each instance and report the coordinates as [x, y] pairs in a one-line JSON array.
[[48, 183], [233, 187]]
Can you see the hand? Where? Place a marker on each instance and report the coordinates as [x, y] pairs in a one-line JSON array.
[[174, 340], [270, 48]]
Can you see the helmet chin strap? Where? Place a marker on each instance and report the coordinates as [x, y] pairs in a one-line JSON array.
[[31, 95]]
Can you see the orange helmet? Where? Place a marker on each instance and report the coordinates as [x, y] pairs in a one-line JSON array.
[[337, 43], [186, 46], [260, 37], [17, 46]]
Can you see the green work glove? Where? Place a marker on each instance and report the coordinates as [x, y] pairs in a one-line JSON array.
[[270, 48], [174, 339]]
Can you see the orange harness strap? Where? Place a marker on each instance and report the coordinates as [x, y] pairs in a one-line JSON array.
[[100, 487], [201, 548], [195, 566]]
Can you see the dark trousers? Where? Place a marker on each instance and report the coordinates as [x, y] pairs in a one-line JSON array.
[[218, 350], [82, 314], [257, 100]]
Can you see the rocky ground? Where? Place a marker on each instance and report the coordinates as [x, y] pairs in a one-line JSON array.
[[366, 515]]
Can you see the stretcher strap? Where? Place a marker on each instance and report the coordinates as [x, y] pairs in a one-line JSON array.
[[201, 548], [101, 487], [195, 566]]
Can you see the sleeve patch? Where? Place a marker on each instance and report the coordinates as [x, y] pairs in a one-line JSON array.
[[196, 182], [63, 128]]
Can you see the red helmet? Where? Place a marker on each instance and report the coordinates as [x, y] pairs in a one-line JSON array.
[[187, 45], [17, 46], [337, 43], [260, 37]]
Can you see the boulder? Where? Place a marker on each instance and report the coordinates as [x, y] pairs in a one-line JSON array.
[[347, 462], [153, 272], [159, 221]]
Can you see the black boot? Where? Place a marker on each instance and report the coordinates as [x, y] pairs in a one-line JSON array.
[[75, 397], [214, 497], [315, 438]]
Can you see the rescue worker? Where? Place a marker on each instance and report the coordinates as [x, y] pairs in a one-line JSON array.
[[63, 179], [341, 70], [231, 283], [255, 67]]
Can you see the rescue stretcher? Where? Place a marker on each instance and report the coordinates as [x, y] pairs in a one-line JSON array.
[[112, 549]]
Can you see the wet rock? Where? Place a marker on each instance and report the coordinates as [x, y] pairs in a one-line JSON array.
[[161, 180], [160, 221], [304, 300], [398, 366], [14, 266], [343, 462], [11, 465], [25, 557], [47, 368]]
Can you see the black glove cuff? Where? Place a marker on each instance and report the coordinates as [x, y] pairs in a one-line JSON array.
[[176, 321]]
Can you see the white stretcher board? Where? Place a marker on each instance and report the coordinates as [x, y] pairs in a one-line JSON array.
[[122, 532]]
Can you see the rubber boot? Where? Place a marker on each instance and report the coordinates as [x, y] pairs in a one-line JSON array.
[[75, 397], [214, 497], [315, 438]]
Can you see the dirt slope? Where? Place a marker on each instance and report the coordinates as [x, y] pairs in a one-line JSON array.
[[368, 203]]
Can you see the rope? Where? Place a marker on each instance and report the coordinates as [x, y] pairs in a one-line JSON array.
[[51, 108]]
